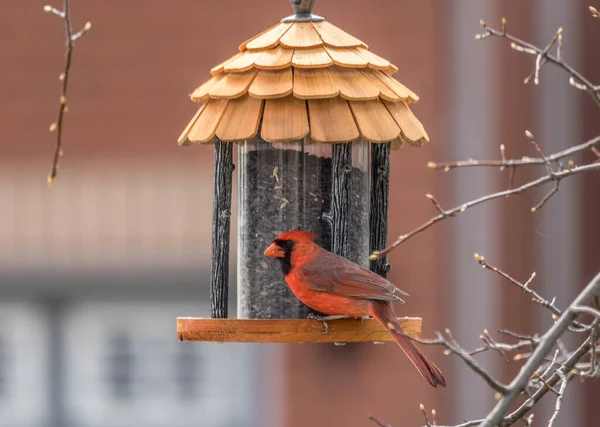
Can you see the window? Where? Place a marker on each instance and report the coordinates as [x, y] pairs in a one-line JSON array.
[[119, 366], [188, 371], [3, 367], [129, 369]]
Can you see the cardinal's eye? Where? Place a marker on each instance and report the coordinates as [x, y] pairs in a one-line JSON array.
[[285, 245]]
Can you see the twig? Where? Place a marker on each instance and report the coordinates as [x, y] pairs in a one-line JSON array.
[[433, 414], [435, 203], [64, 77], [593, 355], [521, 412], [567, 366], [424, 412], [541, 379], [563, 386], [511, 178], [549, 169], [564, 372], [547, 342], [537, 298], [502, 348], [521, 382], [586, 310], [514, 163], [451, 213], [531, 138], [552, 363], [546, 197], [543, 56], [465, 424], [378, 421], [453, 347], [515, 335]]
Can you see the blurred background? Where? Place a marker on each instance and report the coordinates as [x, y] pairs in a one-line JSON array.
[[94, 271]]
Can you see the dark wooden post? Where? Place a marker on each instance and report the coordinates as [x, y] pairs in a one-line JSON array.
[[219, 280], [380, 193], [341, 188]]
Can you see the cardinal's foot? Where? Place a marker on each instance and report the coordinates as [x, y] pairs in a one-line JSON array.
[[324, 319], [362, 319]]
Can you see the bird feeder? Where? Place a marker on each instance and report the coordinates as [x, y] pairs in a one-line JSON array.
[[313, 115]]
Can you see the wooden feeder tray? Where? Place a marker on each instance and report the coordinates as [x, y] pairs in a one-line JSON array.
[[289, 330]]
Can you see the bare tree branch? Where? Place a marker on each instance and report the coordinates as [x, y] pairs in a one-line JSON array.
[[542, 56], [536, 298], [578, 80], [547, 342], [64, 77], [531, 138], [558, 370], [514, 163], [452, 347], [489, 343], [586, 310], [451, 213], [596, 152], [378, 421], [567, 366], [561, 392], [424, 412]]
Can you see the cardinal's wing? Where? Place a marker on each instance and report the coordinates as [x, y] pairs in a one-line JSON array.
[[338, 276]]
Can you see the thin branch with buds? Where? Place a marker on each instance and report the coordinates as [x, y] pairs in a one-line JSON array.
[[64, 77], [451, 213], [554, 371], [433, 416], [567, 366], [525, 161], [528, 342], [547, 343], [378, 421], [561, 392], [453, 347], [543, 56], [535, 297]]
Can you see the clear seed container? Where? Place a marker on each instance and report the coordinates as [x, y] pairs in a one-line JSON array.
[[283, 187]]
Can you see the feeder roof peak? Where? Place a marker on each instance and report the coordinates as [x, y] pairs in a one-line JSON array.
[[303, 9], [304, 76]]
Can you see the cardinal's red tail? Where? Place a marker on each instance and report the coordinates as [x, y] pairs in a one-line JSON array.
[[384, 314]]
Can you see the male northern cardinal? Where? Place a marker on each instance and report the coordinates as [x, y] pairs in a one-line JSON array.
[[339, 288]]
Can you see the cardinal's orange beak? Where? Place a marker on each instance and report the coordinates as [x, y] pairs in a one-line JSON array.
[[274, 251]]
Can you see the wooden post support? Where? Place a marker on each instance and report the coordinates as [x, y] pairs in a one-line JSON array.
[[219, 280], [341, 186], [380, 194]]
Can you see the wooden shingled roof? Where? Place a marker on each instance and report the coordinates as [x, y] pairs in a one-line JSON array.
[[301, 78]]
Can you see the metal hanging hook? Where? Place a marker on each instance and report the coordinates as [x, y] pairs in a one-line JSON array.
[[303, 9]]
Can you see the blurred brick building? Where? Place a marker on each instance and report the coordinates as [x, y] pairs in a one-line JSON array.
[[94, 271]]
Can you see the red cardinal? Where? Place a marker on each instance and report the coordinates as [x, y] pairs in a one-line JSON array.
[[339, 288]]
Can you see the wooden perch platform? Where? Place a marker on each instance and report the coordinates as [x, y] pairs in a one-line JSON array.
[[289, 330]]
